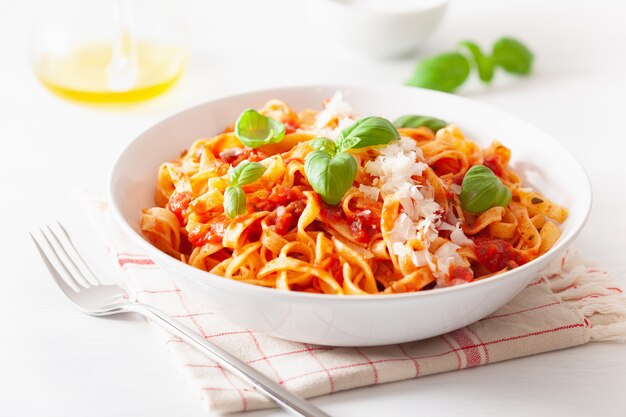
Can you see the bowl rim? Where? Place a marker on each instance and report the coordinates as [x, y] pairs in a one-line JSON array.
[[188, 271]]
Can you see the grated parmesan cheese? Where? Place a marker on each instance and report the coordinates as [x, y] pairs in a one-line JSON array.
[[396, 165], [370, 192], [421, 216], [457, 236], [334, 109], [399, 249], [409, 197], [403, 229], [446, 256]]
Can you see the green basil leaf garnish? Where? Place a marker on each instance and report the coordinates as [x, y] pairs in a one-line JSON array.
[[445, 72], [368, 131], [254, 130], [482, 189], [414, 121], [483, 63], [330, 170], [234, 201], [448, 71], [330, 176], [234, 196], [325, 145], [246, 173], [513, 56]]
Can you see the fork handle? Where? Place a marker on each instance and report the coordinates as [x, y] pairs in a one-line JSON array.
[[278, 393]]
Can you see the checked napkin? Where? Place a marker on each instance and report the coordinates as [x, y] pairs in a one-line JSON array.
[[570, 305]]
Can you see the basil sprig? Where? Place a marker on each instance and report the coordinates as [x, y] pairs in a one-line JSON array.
[[484, 63], [330, 176], [234, 201], [234, 196], [254, 130], [445, 72], [365, 132], [414, 121], [330, 170], [448, 71], [482, 189], [513, 56]]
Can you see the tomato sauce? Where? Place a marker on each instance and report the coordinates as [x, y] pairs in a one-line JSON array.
[[461, 272], [494, 163], [289, 218], [363, 224], [211, 232], [178, 204], [247, 153], [290, 126], [291, 199], [331, 214], [282, 195], [335, 268], [446, 166], [496, 254]]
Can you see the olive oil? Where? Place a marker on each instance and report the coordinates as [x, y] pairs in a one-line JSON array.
[[84, 74]]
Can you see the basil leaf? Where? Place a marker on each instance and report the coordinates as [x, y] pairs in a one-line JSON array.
[[329, 176], [513, 56], [246, 173], [254, 130], [234, 201], [325, 145], [482, 189], [368, 131], [483, 63], [445, 72], [414, 120]]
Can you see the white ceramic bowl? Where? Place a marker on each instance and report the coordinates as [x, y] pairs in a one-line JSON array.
[[364, 320], [378, 28]]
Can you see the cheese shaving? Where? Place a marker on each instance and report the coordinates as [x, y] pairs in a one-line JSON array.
[[370, 192]]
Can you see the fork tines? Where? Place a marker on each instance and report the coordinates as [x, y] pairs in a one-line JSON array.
[[62, 258]]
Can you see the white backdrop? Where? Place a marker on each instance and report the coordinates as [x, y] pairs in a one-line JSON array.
[[55, 361]]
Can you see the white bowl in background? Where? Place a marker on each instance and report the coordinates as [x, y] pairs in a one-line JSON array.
[[378, 28], [353, 320]]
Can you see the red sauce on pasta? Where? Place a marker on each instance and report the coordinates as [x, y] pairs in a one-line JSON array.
[[496, 254], [331, 213], [364, 225], [235, 157], [210, 232], [282, 195], [446, 166], [289, 218], [290, 126], [461, 272], [178, 204], [494, 163], [336, 268], [293, 202]]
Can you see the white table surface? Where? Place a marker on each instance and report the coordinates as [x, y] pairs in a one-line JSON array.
[[57, 362]]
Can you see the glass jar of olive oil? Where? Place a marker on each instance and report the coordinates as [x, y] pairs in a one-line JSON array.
[[108, 50]]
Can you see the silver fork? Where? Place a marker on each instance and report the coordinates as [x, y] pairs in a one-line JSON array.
[[92, 296]]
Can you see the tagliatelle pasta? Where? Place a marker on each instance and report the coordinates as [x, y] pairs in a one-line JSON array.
[[400, 227]]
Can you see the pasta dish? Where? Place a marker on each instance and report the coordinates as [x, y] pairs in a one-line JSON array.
[[324, 201]]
